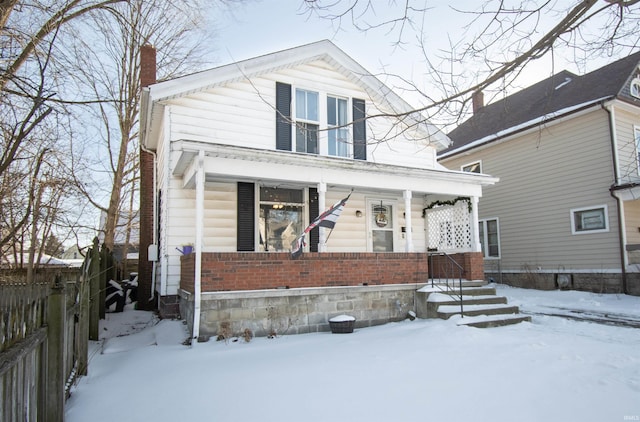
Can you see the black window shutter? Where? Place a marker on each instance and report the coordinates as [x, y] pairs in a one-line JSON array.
[[359, 130], [314, 235], [283, 116], [246, 217]]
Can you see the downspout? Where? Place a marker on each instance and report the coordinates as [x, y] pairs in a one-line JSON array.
[[197, 288], [621, 226], [155, 218]]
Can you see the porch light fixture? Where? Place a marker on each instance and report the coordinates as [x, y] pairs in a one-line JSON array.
[[358, 213]]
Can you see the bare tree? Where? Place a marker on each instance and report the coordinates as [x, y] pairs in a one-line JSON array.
[[29, 105], [106, 66], [499, 40]]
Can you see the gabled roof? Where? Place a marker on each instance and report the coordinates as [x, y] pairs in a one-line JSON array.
[[558, 95], [151, 108]]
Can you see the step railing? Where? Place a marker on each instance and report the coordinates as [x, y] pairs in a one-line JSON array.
[[448, 271]]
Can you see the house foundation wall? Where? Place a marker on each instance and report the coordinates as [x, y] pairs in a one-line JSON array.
[[296, 311], [256, 271], [590, 282]]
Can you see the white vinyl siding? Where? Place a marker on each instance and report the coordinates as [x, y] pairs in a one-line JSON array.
[[241, 114], [543, 175], [632, 221], [636, 132], [627, 132], [219, 223]]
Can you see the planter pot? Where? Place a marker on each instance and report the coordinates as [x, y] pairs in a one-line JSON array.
[[342, 324]]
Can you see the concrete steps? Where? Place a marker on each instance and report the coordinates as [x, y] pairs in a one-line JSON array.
[[481, 306]]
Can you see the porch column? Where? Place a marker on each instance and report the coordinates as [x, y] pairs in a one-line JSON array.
[[408, 237], [475, 226], [197, 291], [322, 190]]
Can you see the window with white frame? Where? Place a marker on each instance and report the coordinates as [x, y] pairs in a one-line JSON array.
[[338, 133], [636, 132], [307, 121], [475, 167], [589, 220], [489, 232], [281, 218]]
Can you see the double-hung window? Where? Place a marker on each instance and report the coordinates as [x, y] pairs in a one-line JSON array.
[[307, 121], [316, 122], [338, 133], [490, 238]]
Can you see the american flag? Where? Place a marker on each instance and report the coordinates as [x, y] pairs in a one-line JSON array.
[[326, 219]]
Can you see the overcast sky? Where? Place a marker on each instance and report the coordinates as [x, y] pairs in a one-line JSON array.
[[255, 28]]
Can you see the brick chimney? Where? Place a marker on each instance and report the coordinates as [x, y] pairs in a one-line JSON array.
[[145, 267], [147, 65], [478, 101]]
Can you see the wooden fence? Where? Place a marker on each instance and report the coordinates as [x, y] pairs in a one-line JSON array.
[[45, 328]]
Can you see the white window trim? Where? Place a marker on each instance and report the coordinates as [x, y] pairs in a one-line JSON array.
[[470, 164], [573, 211], [323, 125], [636, 139], [325, 113], [486, 240]]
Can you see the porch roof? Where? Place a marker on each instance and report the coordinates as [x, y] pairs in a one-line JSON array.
[[224, 162]]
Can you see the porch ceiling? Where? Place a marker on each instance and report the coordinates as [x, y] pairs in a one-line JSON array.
[[627, 192], [225, 162]]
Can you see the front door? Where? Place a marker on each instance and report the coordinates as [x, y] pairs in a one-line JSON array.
[[381, 224]]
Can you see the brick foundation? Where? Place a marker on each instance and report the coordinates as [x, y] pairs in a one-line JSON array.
[[257, 271], [472, 264]]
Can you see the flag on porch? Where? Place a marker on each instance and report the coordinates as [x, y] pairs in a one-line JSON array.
[[326, 219]]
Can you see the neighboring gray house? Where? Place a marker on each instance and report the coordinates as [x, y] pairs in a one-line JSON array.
[[566, 212]]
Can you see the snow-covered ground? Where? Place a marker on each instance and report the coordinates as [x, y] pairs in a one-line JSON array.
[[552, 369]]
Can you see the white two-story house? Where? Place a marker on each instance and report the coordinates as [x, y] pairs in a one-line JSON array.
[[239, 159]]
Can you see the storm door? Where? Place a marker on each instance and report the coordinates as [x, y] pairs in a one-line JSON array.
[[381, 224]]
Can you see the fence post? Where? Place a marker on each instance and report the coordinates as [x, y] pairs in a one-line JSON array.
[[56, 314], [94, 292], [103, 280], [83, 324]]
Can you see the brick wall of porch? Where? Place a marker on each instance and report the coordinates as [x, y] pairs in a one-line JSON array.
[[228, 271]]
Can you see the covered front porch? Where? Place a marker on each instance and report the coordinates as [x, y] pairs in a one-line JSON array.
[[394, 215]]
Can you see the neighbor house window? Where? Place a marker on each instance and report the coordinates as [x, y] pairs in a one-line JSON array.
[[473, 167], [307, 121], [337, 118], [490, 238], [636, 132], [589, 220]]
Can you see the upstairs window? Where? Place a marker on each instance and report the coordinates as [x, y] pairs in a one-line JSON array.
[[315, 122], [473, 167], [338, 137], [307, 121]]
